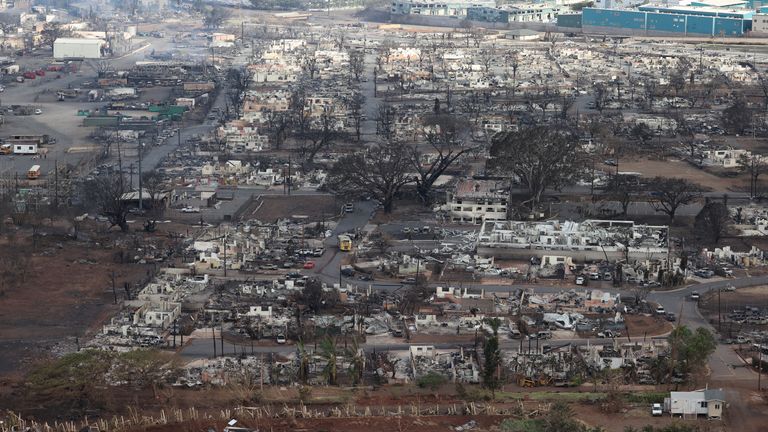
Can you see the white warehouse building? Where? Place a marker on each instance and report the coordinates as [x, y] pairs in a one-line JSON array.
[[64, 48]]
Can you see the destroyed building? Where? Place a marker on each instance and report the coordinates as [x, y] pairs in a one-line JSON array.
[[591, 240]]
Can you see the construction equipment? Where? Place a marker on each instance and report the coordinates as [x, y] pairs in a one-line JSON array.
[[525, 381], [544, 380]]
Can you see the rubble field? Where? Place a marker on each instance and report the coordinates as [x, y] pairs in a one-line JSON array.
[[63, 293]]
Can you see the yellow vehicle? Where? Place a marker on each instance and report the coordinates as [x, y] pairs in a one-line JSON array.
[[345, 243], [33, 172]]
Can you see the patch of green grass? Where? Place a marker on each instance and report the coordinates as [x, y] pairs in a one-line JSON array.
[[646, 397], [550, 396], [480, 394], [526, 425]]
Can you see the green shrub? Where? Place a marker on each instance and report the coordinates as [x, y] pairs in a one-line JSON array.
[[431, 380]]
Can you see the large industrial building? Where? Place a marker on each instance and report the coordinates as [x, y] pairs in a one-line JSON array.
[[77, 48], [479, 10], [718, 18]]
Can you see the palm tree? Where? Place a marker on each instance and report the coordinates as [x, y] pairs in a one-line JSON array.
[[494, 324], [357, 364], [303, 358], [328, 353]]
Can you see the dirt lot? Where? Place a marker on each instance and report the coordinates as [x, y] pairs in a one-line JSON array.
[[640, 325], [314, 207], [753, 296], [58, 292], [682, 169]]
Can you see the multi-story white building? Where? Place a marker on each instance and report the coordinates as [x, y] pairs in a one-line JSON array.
[[452, 8], [475, 201]]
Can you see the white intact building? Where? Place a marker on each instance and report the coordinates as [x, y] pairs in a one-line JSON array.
[[475, 201], [70, 48]]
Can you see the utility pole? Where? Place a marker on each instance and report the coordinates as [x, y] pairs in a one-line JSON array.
[[221, 336], [225, 255], [759, 366], [719, 315], [56, 183], [119, 156], [213, 334], [141, 193], [114, 292], [288, 180]]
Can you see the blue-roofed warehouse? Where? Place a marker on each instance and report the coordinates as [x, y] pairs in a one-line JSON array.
[[669, 20]]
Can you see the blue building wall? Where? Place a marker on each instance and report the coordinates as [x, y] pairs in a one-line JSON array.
[[569, 20], [699, 25], [729, 27], [666, 22], [613, 18], [487, 14]]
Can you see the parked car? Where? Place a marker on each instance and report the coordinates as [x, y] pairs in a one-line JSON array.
[[281, 339], [656, 410], [544, 334], [608, 334], [581, 280], [349, 208], [660, 310], [729, 288], [190, 209], [309, 265], [671, 317]]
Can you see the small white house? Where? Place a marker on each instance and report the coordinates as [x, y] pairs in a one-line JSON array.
[[263, 312], [26, 148], [695, 403], [422, 351]]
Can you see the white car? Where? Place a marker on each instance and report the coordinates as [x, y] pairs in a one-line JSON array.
[[580, 280], [38, 111], [660, 310], [281, 339], [656, 410], [190, 210]]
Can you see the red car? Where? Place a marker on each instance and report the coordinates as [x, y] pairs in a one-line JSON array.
[[40, 72], [309, 265], [29, 75]]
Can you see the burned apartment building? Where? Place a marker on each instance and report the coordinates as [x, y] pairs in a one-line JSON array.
[[590, 240], [475, 201]]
